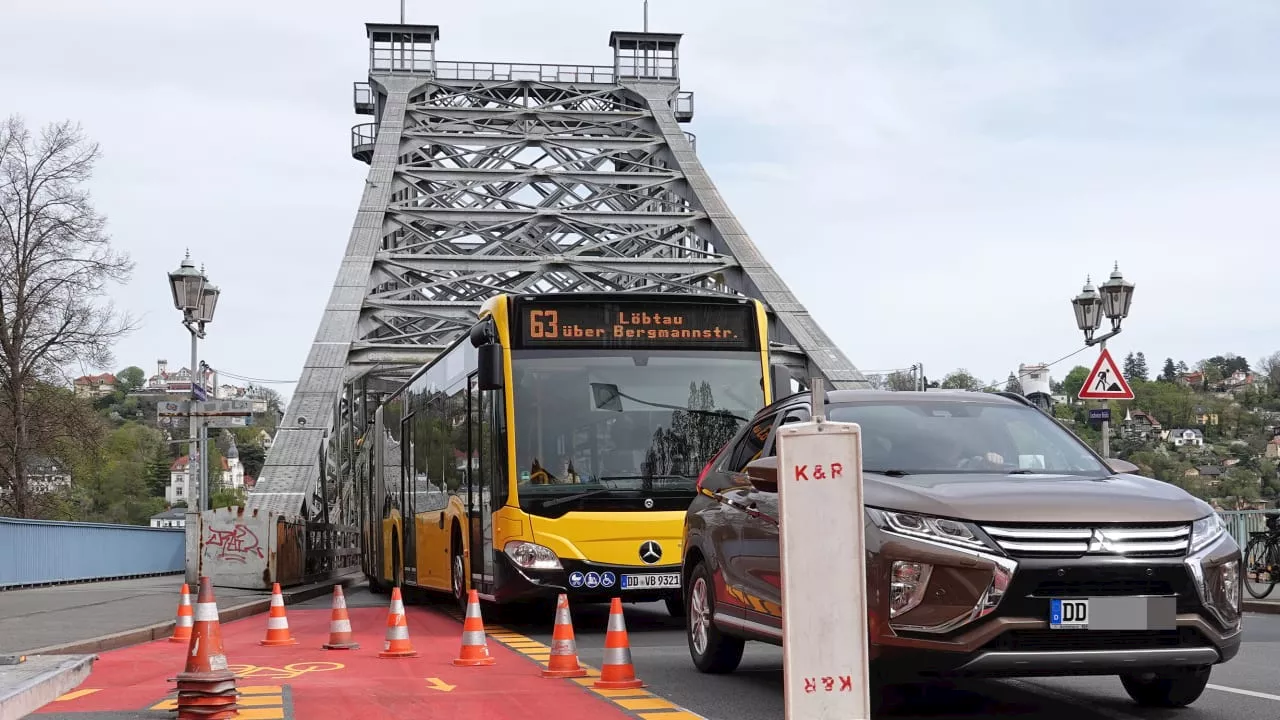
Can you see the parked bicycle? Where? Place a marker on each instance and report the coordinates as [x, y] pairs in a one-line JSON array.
[[1262, 559]]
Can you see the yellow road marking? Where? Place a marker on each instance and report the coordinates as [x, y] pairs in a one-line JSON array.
[[77, 694], [256, 702], [629, 701], [275, 713]]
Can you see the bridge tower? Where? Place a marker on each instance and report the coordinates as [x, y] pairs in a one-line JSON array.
[[487, 177]]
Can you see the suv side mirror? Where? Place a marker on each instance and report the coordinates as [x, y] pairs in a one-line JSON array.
[[1121, 466], [763, 474]]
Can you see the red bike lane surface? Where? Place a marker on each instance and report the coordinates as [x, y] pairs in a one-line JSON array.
[[307, 681]]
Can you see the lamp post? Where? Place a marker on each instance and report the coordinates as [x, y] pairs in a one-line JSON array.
[[196, 298], [1090, 307]]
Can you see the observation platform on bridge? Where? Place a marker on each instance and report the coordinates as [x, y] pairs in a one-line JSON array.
[[307, 681]]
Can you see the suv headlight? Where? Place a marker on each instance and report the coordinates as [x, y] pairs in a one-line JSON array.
[[531, 556], [1206, 530], [927, 527]]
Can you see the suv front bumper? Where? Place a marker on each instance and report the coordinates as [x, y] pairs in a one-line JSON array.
[[957, 630]]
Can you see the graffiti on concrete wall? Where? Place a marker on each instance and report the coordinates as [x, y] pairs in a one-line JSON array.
[[236, 544]]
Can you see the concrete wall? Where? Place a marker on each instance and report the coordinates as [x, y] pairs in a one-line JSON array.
[[34, 552]]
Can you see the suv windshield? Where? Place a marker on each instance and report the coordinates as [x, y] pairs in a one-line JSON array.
[[625, 423], [958, 436]]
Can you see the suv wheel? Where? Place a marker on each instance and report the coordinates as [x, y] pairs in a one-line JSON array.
[[1172, 688], [712, 651]]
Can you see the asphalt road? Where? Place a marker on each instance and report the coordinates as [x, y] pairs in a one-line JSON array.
[[1247, 688]]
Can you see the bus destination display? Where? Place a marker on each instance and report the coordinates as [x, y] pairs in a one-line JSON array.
[[636, 325]]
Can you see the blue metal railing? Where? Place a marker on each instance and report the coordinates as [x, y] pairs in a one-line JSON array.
[[39, 552], [1242, 522]]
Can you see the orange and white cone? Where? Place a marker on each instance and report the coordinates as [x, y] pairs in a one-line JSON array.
[[277, 622], [182, 630], [397, 644], [340, 624], [475, 646], [617, 672], [206, 687], [563, 662]]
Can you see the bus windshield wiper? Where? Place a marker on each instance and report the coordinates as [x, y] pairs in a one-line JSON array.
[[890, 473]]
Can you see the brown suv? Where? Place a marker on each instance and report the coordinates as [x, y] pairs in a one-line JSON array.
[[998, 544]]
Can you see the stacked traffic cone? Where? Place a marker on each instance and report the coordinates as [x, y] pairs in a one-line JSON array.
[[277, 622], [206, 688], [563, 662], [397, 644], [340, 624], [182, 630], [475, 647], [617, 672]]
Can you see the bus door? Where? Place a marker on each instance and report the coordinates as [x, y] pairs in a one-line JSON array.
[[480, 471], [408, 499]]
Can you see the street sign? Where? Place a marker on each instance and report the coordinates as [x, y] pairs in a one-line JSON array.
[[228, 421], [824, 660], [1099, 414], [199, 391], [1105, 381], [225, 407]]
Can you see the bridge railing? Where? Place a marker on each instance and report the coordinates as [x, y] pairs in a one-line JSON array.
[[1242, 522], [453, 70], [42, 552]]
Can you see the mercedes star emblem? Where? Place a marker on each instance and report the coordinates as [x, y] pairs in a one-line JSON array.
[[648, 503], [650, 552]]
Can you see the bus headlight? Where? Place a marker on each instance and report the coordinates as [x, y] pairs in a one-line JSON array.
[[531, 556]]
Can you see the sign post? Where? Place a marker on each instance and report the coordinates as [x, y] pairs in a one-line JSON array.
[[824, 652]]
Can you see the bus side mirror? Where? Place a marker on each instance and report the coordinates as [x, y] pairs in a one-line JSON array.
[[489, 366], [780, 377]]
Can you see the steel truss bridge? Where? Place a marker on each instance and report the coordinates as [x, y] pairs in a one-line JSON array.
[[485, 178]]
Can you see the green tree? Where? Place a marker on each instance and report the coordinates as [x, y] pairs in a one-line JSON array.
[[252, 457], [213, 467], [1074, 380], [1129, 367], [130, 379], [1013, 384], [113, 476], [961, 379], [56, 261], [1140, 369], [1170, 372]]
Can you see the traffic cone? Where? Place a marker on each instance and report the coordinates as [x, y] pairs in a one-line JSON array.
[[475, 647], [206, 688], [563, 662], [340, 624], [397, 644], [182, 630], [277, 621], [617, 672]]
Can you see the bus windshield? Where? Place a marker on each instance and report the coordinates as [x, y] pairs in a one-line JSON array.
[[625, 422]]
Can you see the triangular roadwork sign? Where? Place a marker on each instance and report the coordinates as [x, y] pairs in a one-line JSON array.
[[1105, 381]]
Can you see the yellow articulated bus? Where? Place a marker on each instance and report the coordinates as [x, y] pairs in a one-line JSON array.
[[556, 447]]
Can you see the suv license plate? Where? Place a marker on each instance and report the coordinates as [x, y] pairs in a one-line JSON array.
[[1073, 613], [647, 582]]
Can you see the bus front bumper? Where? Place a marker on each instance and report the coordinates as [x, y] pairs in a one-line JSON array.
[[585, 581]]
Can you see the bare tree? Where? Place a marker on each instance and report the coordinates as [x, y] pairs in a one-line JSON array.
[[55, 262]]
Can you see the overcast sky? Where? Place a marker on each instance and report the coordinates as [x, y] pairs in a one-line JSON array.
[[933, 179]]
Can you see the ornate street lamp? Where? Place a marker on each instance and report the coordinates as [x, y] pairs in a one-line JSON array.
[[1088, 307], [1117, 294], [197, 299]]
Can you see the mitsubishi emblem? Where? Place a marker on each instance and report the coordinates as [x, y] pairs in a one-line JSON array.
[[650, 552]]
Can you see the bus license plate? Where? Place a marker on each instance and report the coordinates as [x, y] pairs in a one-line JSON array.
[[649, 582]]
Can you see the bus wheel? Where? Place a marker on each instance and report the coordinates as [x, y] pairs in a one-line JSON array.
[[458, 573]]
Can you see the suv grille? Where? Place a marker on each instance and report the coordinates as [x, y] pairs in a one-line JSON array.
[[1078, 541]]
